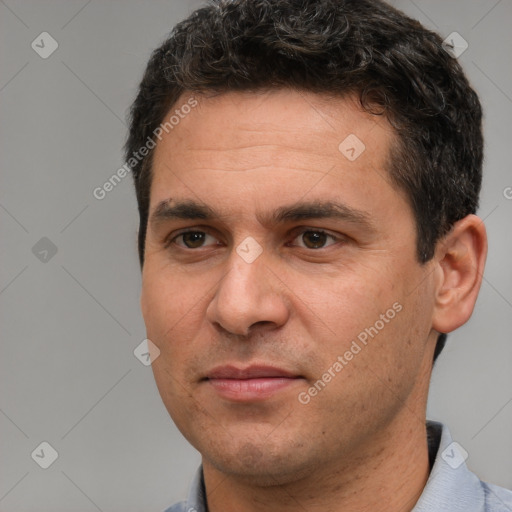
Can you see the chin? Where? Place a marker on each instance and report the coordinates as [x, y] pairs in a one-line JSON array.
[[259, 464]]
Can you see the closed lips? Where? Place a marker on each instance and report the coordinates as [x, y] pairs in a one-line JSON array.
[[251, 372]]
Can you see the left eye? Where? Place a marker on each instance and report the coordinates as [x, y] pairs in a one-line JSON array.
[[315, 239]]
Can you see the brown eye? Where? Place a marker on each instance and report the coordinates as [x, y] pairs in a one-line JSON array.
[[315, 239], [191, 239]]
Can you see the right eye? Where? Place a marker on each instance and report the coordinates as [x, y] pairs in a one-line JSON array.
[[190, 239]]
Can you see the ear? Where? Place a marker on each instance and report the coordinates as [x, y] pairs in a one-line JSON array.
[[460, 260]]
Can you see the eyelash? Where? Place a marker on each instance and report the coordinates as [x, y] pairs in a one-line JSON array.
[[171, 240]]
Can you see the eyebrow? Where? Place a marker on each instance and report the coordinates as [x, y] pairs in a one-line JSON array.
[[192, 210]]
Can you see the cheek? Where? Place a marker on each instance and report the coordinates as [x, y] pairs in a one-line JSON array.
[[173, 310], [166, 300], [347, 303], [167, 316], [370, 317]]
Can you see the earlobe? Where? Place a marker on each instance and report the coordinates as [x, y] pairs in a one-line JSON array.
[[460, 260]]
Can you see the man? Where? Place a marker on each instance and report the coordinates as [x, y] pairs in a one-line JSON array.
[[307, 198]]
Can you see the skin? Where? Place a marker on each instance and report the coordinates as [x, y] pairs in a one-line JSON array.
[[361, 441]]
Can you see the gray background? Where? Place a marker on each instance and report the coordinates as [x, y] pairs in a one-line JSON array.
[[70, 323]]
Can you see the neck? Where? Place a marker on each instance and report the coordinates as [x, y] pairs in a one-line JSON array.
[[389, 473]]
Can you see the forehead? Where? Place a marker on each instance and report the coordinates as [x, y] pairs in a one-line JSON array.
[[298, 120], [268, 145]]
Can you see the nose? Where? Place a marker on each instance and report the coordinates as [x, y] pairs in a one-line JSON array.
[[249, 296]]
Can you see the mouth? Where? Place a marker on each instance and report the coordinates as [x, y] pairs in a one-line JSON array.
[[251, 384]]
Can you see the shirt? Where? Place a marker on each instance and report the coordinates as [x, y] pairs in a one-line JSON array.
[[451, 486]]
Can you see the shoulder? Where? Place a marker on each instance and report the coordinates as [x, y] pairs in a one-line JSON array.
[[497, 499], [178, 507], [196, 501]]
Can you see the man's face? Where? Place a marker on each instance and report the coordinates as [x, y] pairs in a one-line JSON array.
[[253, 308]]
